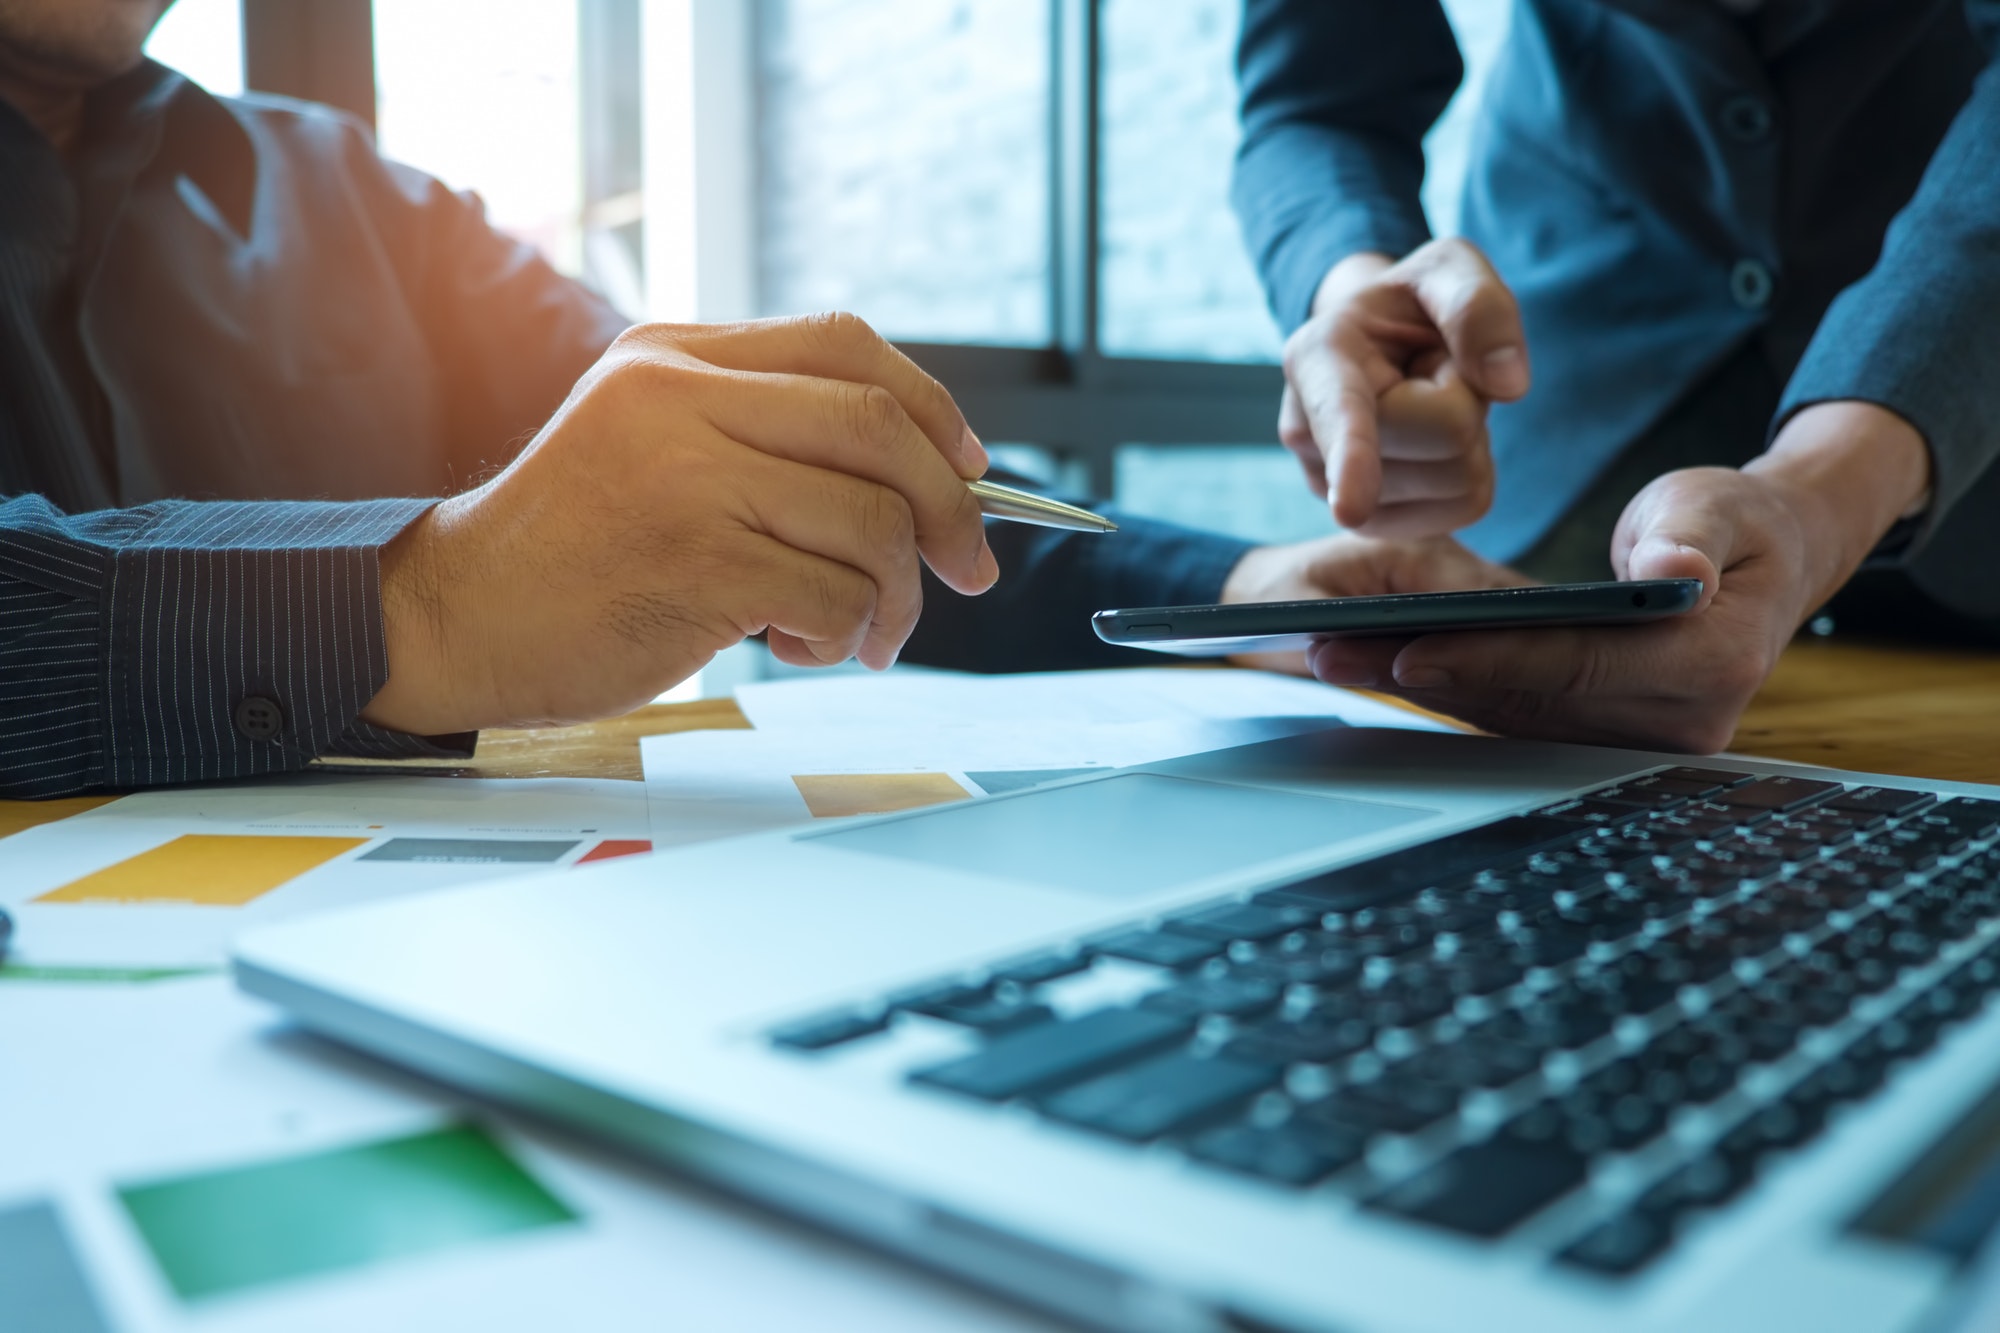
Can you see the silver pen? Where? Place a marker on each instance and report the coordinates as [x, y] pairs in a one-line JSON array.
[[997, 501]]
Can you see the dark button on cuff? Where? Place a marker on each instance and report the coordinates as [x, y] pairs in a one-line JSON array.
[[1750, 283], [1746, 119], [258, 718]]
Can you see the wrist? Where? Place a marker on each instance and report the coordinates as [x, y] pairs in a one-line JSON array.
[[1349, 275], [1851, 469], [1251, 577], [415, 698]]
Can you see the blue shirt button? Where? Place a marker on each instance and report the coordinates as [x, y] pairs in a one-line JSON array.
[[1746, 119], [1750, 284]]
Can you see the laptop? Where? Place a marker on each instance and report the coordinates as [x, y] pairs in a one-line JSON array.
[[1358, 1030]]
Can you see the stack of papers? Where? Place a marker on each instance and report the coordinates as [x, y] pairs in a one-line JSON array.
[[179, 1158]]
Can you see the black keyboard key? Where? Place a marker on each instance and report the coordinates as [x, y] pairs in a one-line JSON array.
[[1720, 777], [1054, 1054], [1716, 814], [1621, 1246], [1310, 1040], [1432, 864], [1394, 1104], [1779, 793], [1407, 1002], [1160, 1096], [1481, 973], [1610, 1110], [1845, 820], [1290, 1154], [826, 1030], [1691, 1066], [1563, 1019], [1890, 801], [1487, 1189], [1474, 1061], [1653, 793], [1707, 1182], [1233, 996], [1159, 947], [1973, 815], [1769, 1129], [1547, 947], [1840, 1080], [1240, 921], [1590, 811], [924, 999], [1041, 967], [993, 1016], [1292, 967]]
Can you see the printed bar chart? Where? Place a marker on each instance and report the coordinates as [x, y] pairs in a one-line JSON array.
[[206, 869], [272, 1221], [832, 795]]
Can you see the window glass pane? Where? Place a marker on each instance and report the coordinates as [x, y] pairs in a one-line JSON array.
[[485, 98], [903, 163], [203, 39], [1176, 281]]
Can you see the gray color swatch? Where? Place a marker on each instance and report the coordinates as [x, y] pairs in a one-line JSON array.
[[1020, 779], [42, 1285], [471, 851]]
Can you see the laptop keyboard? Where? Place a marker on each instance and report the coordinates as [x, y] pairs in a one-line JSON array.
[[1578, 1028]]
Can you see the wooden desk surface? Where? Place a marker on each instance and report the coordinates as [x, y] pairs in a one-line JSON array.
[[1877, 708]]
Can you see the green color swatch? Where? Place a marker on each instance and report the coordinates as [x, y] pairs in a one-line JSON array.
[[227, 1230], [101, 976]]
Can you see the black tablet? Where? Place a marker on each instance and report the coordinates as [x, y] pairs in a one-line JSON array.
[[1262, 627]]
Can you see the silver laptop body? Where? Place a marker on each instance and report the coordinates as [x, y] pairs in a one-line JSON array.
[[1328, 1033]]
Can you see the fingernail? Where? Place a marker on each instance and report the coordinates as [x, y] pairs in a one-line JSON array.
[[1506, 371], [1652, 550], [989, 568], [1423, 678], [972, 453]]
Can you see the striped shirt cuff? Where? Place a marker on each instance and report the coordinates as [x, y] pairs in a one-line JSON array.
[[185, 641]]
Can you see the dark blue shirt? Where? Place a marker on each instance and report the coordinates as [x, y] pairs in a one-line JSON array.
[[1662, 183], [240, 352]]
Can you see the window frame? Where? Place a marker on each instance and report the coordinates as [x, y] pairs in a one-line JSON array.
[[1069, 396]]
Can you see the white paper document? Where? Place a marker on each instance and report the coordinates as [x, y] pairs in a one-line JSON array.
[[165, 878], [109, 1086], [1059, 698]]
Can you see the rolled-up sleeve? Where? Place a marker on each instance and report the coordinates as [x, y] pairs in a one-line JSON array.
[[1336, 97], [188, 641]]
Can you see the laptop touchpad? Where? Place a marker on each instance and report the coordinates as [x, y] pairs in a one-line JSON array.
[[1125, 835]]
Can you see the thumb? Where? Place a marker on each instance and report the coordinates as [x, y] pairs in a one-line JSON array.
[[1674, 530]]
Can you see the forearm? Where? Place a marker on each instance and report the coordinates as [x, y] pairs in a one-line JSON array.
[[1854, 469], [1336, 96], [1916, 335]]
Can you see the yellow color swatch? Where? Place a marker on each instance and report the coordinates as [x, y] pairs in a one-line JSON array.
[[212, 869], [19, 816], [830, 795]]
